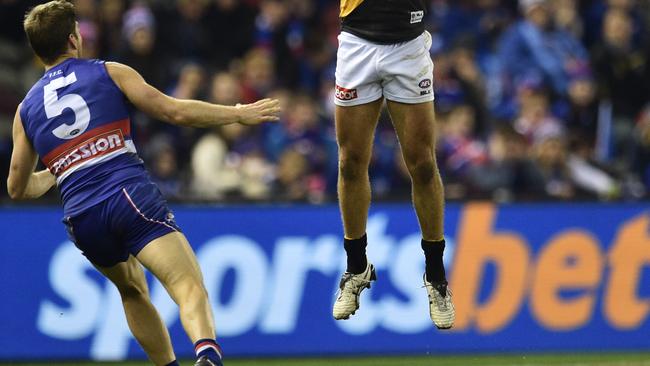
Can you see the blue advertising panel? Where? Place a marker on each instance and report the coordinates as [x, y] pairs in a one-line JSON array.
[[525, 278]]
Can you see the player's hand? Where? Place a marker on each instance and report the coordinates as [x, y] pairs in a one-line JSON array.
[[265, 110]]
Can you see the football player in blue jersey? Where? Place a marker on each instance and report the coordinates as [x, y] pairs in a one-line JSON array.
[[76, 120]]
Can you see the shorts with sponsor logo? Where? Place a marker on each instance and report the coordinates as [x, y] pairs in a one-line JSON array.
[[108, 232], [366, 71]]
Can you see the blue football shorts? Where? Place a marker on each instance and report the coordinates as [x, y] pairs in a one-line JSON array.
[[122, 225]]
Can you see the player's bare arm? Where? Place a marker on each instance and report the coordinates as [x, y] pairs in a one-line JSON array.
[[23, 182], [183, 112]]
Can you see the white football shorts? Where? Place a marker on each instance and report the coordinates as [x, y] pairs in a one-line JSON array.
[[366, 71]]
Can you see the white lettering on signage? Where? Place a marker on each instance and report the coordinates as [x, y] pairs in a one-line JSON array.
[[267, 293]]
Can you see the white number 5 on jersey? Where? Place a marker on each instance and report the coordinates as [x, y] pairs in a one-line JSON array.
[[54, 107]]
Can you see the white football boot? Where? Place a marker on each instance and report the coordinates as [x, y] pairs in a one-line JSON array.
[[350, 288], [441, 306]]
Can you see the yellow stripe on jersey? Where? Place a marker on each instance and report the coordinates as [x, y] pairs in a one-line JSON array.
[[348, 6]]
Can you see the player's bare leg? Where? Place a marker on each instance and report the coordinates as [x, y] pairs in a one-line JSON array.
[[143, 319], [171, 259], [355, 131], [415, 127]]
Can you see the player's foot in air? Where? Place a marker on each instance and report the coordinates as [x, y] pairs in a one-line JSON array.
[[441, 306], [205, 361], [350, 288]]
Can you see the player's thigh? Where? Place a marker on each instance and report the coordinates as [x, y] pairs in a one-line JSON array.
[[127, 276], [358, 98], [415, 127], [357, 80], [408, 71], [355, 128], [171, 259]]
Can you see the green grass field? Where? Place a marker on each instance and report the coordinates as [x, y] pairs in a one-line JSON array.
[[623, 359]]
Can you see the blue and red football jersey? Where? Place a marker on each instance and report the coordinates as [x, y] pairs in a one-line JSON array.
[[78, 121]]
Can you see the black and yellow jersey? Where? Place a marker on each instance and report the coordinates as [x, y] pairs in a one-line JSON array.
[[384, 21]]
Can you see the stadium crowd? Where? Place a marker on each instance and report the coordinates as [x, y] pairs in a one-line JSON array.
[[535, 99]]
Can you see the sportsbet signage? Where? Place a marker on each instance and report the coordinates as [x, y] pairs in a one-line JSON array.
[[572, 260], [526, 278]]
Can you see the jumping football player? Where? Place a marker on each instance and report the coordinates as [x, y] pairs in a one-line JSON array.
[[76, 119], [384, 54]]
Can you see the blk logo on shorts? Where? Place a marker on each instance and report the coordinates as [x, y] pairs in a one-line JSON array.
[[425, 84], [345, 94], [416, 16]]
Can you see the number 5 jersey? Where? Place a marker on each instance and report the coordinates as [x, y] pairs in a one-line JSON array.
[[78, 121]]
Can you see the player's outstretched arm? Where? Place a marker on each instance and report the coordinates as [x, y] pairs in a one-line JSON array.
[[183, 112], [23, 182]]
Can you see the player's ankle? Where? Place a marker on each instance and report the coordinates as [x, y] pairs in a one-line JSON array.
[[433, 254], [356, 252], [209, 348]]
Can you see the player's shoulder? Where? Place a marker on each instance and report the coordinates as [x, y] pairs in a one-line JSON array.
[[34, 93]]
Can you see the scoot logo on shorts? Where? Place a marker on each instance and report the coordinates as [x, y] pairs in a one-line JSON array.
[[345, 94], [417, 16]]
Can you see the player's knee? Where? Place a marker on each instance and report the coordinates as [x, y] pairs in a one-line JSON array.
[[188, 288], [197, 290], [351, 167], [132, 290], [423, 171]]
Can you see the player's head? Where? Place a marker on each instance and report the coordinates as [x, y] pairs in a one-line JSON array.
[[52, 31]]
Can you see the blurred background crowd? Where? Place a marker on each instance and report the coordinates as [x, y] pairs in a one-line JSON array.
[[535, 100]]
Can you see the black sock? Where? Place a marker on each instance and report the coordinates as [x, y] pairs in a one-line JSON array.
[[356, 250], [435, 268]]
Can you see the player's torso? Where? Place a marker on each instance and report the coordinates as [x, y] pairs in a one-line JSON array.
[[78, 122], [384, 21]]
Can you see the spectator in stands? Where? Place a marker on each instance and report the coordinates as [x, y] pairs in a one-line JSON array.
[[532, 75], [535, 120], [508, 173], [141, 51], [595, 12], [225, 89], [535, 49], [623, 77], [295, 182], [622, 68], [566, 17], [85, 9], [164, 168], [641, 163], [550, 156], [258, 74], [568, 176], [458, 148], [466, 71], [190, 82], [187, 35], [300, 129], [582, 113], [90, 35], [214, 172], [110, 25], [231, 24]]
